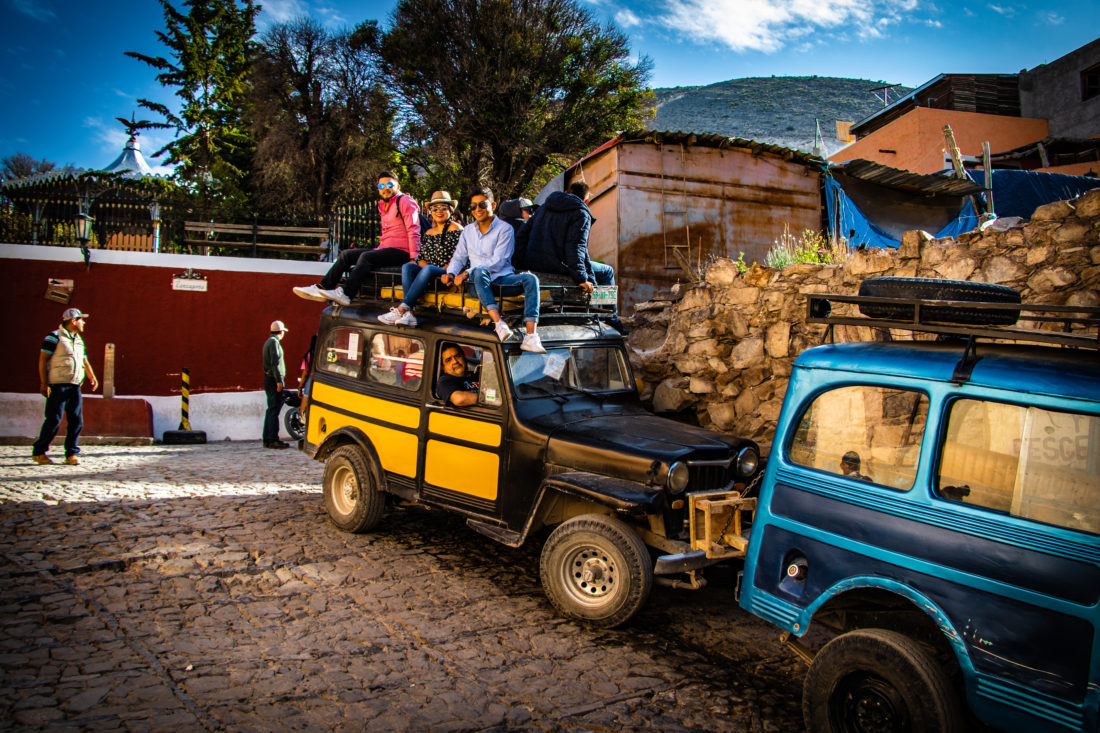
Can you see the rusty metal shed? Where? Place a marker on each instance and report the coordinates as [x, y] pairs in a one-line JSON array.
[[664, 200]]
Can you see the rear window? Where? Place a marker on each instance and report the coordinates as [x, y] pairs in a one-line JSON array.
[[864, 433], [342, 352], [1025, 461], [397, 361]]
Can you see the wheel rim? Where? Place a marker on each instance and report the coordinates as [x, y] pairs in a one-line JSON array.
[[590, 574], [866, 703], [345, 489]]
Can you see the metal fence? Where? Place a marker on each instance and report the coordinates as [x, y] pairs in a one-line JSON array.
[[123, 219]]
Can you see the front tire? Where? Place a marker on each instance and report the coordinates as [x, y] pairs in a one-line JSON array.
[[879, 681], [352, 498], [596, 569], [295, 426]]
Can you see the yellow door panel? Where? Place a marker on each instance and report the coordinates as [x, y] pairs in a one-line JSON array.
[[407, 416], [462, 469], [463, 428], [396, 448]]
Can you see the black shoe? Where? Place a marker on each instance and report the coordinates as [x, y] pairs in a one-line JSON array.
[[276, 444]]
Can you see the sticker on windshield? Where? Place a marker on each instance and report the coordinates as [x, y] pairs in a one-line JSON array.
[[555, 364]]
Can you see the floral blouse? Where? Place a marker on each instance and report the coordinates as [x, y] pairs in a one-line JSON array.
[[437, 249]]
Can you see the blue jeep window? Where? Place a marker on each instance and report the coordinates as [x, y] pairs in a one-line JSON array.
[[864, 433], [1026, 461]]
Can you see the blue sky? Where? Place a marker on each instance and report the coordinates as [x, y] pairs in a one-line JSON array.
[[64, 78]]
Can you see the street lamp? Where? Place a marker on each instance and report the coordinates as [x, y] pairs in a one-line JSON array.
[[83, 228], [154, 214]]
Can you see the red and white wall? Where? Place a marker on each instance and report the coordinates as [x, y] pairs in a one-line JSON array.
[[156, 331]]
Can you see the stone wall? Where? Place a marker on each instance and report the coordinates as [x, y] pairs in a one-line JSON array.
[[721, 350]]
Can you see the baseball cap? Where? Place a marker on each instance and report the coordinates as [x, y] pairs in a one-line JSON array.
[[278, 326], [71, 313]]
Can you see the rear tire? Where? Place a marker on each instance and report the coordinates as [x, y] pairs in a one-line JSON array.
[[295, 426], [927, 288], [352, 498], [879, 681], [596, 569]]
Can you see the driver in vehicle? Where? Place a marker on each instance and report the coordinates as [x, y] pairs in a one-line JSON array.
[[455, 386]]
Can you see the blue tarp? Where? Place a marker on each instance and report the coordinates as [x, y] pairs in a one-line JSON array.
[[1019, 193], [860, 231]]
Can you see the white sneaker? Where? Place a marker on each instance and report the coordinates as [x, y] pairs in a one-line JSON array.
[[532, 342], [337, 295], [390, 318], [407, 319], [503, 332], [312, 292]]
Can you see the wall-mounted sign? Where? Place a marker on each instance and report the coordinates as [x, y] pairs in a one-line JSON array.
[[190, 280], [59, 291]]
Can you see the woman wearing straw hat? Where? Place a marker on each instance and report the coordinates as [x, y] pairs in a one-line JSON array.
[[437, 246]]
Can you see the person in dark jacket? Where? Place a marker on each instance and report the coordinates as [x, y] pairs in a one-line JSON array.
[[555, 239]]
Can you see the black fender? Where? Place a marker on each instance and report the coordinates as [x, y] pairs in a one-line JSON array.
[[353, 435], [625, 497]]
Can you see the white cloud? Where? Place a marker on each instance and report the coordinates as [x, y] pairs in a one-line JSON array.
[[627, 19], [1052, 17], [1007, 11], [769, 25], [35, 9], [280, 11]]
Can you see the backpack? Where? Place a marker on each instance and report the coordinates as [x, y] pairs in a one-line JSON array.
[[425, 222]]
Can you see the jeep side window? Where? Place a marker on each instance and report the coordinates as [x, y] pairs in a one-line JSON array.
[[1026, 461], [864, 433], [342, 352], [396, 360], [489, 391]]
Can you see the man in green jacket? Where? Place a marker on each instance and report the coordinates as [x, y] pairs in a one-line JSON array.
[[274, 378]]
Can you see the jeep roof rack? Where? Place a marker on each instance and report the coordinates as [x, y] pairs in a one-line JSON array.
[[936, 317], [562, 300]]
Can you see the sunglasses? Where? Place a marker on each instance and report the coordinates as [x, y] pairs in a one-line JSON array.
[[482, 205], [440, 207], [384, 186]]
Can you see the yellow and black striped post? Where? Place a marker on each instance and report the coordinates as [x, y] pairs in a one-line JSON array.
[[185, 434], [185, 405]]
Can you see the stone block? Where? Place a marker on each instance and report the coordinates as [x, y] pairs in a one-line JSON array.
[[746, 353], [1053, 211], [700, 385], [760, 277], [777, 340], [670, 396], [722, 272], [1001, 269], [697, 296], [741, 295], [746, 403], [1088, 204], [912, 242], [1038, 255], [1072, 231], [722, 415], [932, 255], [956, 268]]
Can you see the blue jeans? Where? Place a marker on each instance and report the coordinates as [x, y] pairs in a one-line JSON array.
[[274, 405], [62, 397], [512, 285], [604, 274], [415, 280]]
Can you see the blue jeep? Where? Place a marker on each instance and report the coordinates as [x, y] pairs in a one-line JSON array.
[[931, 511]]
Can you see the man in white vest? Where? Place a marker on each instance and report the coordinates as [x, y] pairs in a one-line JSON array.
[[62, 367]]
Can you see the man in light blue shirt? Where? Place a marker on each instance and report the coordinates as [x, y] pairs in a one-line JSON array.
[[486, 245]]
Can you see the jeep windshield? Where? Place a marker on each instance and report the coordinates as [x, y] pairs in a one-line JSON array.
[[597, 370]]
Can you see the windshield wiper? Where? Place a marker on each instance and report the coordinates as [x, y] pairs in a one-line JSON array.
[[556, 396]]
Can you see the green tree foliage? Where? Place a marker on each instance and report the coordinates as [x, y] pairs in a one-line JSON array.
[[210, 54], [500, 90], [323, 123], [21, 165]]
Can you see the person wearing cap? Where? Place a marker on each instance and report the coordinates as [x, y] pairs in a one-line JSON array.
[[62, 366], [274, 378], [515, 211], [437, 246]]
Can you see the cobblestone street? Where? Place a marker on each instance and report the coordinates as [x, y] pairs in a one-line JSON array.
[[202, 588]]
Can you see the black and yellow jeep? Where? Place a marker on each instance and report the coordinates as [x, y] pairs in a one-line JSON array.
[[556, 439]]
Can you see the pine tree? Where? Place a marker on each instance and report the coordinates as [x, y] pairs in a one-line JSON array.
[[210, 55]]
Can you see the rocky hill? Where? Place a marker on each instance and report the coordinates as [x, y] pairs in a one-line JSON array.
[[781, 110]]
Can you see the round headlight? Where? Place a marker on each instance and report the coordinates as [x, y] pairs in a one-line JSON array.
[[748, 460], [677, 479]]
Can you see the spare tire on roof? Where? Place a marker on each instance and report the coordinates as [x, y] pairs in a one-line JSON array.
[[927, 288]]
